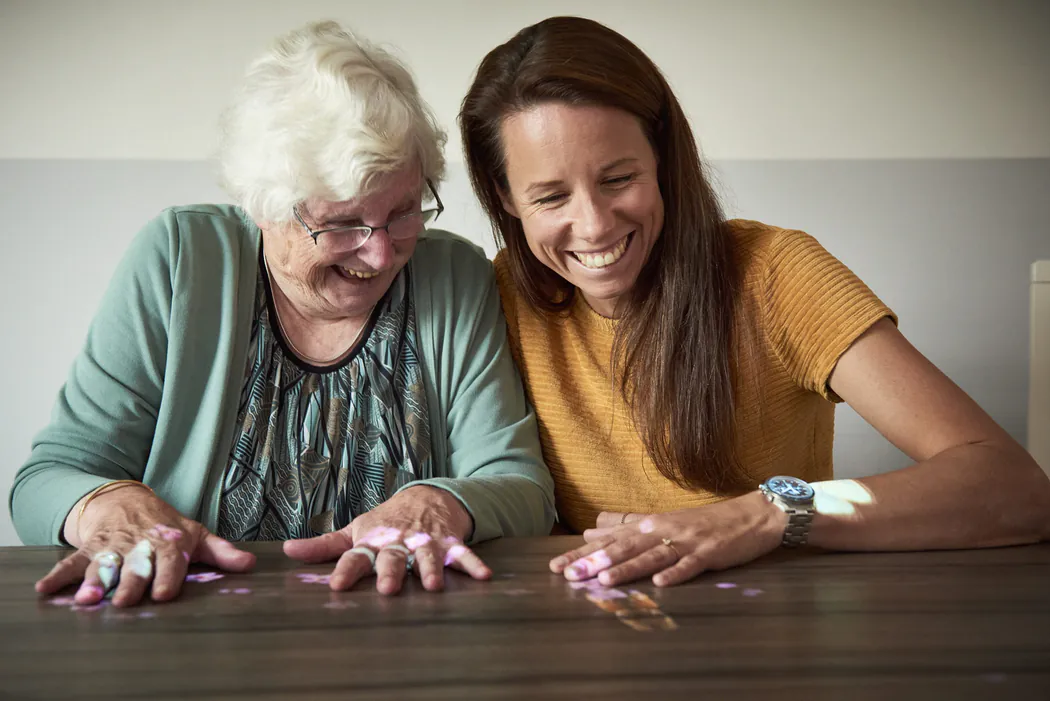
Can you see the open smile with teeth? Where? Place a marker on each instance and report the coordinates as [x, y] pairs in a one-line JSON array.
[[603, 259], [358, 274]]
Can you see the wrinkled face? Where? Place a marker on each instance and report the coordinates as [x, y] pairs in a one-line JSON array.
[[583, 182], [324, 281]]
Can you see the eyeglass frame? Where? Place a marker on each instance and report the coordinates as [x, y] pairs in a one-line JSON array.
[[372, 229]]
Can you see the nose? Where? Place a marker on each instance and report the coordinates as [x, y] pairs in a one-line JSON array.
[[594, 216], [378, 251]]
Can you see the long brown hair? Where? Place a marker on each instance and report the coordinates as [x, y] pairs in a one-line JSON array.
[[675, 335]]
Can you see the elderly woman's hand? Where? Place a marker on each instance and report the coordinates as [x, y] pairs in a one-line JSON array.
[[675, 547], [424, 524], [127, 540]]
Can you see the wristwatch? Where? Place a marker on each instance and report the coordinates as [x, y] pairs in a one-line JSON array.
[[795, 498]]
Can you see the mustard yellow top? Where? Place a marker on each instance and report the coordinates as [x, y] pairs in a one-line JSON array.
[[806, 307]]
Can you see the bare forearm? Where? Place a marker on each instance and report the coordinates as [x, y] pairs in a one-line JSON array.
[[970, 496]]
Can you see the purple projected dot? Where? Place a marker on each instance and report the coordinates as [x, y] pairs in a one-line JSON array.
[[751, 592], [242, 590], [311, 578], [605, 594], [224, 591], [726, 585], [93, 607], [148, 614], [62, 601], [204, 577]]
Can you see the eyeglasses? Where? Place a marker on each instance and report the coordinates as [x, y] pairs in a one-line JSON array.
[[344, 239]]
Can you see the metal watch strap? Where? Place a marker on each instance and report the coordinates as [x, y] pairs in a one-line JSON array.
[[797, 530]]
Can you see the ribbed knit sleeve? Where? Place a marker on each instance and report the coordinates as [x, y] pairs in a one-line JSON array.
[[814, 308]]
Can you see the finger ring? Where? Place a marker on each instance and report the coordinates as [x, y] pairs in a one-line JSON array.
[[410, 559], [108, 568], [623, 519], [367, 552], [670, 543], [108, 558], [397, 547]]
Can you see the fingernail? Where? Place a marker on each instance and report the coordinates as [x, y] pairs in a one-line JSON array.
[[89, 592], [559, 562], [575, 572]]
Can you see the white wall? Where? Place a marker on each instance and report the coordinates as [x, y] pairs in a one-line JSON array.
[[763, 79], [792, 100]]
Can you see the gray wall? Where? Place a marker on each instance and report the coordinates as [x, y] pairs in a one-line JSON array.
[[946, 243]]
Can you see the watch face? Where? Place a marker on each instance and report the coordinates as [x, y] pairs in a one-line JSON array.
[[790, 488]]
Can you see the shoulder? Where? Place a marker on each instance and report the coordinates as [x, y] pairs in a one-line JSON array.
[[757, 245], [177, 228], [202, 235], [770, 257], [451, 277], [440, 253]]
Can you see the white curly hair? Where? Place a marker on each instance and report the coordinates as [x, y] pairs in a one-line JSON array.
[[323, 114]]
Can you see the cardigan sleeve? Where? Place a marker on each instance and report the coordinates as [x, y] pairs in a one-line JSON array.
[[494, 464], [104, 417]]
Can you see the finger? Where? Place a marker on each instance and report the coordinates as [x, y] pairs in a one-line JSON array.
[[91, 590], [323, 548], [559, 563], [690, 566], [223, 554], [66, 571], [108, 563], [592, 534], [171, 573], [135, 576], [349, 570], [463, 559], [615, 549], [390, 570], [646, 563], [429, 567]]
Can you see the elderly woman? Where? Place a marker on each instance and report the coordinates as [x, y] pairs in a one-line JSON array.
[[684, 367], [310, 366]]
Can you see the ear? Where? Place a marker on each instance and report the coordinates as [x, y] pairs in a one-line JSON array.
[[508, 203]]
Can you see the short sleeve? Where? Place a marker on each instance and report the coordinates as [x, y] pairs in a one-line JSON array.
[[814, 308]]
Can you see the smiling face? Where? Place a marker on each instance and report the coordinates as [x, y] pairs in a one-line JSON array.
[[323, 281], [583, 182]]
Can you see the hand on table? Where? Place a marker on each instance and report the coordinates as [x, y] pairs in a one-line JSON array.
[[420, 529], [130, 540], [676, 546]]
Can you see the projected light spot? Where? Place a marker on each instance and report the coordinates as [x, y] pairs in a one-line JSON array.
[[204, 577]]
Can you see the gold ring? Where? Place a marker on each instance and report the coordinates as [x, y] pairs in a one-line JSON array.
[[670, 543]]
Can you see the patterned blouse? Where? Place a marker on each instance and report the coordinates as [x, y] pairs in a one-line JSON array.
[[315, 447]]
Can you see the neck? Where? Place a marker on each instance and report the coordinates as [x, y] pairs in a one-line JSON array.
[[604, 307], [316, 339]]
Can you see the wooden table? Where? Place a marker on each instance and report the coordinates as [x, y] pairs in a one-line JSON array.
[[944, 625]]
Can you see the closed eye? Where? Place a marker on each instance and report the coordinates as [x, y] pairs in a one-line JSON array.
[[619, 180], [550, 199]]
